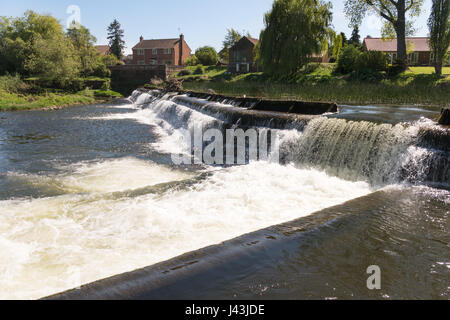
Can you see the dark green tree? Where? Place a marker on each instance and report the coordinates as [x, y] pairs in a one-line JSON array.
[[294, 31], [115, 37], [356, 38], [344, 39], [439, 25], [394, 12]]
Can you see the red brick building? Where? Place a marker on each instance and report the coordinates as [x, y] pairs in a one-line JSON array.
[[161, 52], [242, 57], [420, 49]]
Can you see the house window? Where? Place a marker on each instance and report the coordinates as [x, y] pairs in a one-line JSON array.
[[153, 62], [141, 62], [167, 51], [413, 58], [154, 51], [140, 52]]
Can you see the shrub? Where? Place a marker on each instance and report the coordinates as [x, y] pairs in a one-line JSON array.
[[396, 68], [199, 70], [348, 59], [191, 61], [185, 72], [207, 56], [374, 61], [13, 84]]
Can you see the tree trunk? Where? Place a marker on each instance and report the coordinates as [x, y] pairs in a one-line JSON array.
[[400, 29], [438, 67]]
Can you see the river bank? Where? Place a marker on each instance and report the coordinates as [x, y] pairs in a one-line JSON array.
[[10, 101], [320, 84]]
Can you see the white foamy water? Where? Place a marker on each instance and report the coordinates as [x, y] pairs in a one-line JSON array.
[[54, 244]]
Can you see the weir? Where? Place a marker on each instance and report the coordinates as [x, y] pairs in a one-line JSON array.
[[411, 154]]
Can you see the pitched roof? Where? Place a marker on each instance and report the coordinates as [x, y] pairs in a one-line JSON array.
[[253, 40], [157, 44], [103, 49], [378, 44]]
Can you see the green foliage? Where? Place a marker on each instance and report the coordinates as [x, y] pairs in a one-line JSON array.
[[335, 47], [115, 37], [37, 46], [348, 60], [191, 61], [356, 38], [294, 31], [184, 72], [199, 70], [374, 61], [90, 61], [365, 65], [207, 56], [13, 83], [439, 25]]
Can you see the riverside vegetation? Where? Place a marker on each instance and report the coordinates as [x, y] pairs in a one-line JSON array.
[[44, 66], [322, 82]]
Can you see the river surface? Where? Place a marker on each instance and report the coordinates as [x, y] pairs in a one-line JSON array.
[[90, 192]]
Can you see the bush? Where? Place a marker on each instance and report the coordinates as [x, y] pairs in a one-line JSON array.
[[348, 59], [207, 56], [396, 68], [199, 70], [374, 61], [185, 72], [13, 84], [191, 61]]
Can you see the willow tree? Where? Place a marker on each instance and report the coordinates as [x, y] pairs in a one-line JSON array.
[[394, 13], [294, 31], [439, 24]]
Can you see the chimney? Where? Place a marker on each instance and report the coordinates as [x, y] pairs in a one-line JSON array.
[[141, 39], [180, 60]]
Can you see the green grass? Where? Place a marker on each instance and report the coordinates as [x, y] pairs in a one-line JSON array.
[[10, 101], [317, 82], [427, 70]]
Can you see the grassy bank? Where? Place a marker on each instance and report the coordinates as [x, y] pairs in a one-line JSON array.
[[417, 86], [17, 95]]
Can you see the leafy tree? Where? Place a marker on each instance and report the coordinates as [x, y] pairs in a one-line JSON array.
[[207, 56], [89, 58], [115, 37], [336, 44], [356, 38], [439, 25], [294, 31], [394, 12], [36, 45], [192, 61]]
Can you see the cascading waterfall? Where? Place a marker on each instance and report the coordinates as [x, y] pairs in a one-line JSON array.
[[381, 154]]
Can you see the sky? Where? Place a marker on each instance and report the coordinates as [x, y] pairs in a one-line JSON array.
[[203, 22]]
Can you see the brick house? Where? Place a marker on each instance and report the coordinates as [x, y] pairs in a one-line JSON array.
[[421, 54], [103, 49], [242, 58], [161, 52]]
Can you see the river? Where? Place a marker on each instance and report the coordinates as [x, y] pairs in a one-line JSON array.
[[91, 192]]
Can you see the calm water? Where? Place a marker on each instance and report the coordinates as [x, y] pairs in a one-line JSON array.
[[90, 192]]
